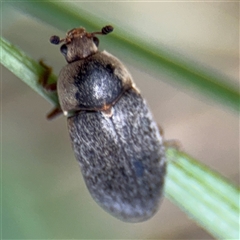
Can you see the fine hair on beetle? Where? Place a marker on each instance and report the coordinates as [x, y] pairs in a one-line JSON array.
[[114, 138]]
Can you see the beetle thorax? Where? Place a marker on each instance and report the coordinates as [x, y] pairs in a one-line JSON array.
[[79, 45]]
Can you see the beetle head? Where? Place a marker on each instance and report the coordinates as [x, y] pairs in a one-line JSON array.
[[79, 44]]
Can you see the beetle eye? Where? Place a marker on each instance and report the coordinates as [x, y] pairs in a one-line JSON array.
[[96, 41], [64, 49]]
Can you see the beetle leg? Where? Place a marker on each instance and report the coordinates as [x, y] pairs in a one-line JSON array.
[[43, 79], [171, 143], [161, 130], [54, 113]]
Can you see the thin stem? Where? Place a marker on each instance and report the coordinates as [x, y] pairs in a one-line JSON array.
[[27, 69], [203, 194]]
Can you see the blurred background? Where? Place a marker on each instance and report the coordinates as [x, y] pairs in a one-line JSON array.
[[44, 195]]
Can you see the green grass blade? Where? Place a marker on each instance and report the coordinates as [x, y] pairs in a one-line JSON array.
[[204, 195], [26, 69], [151, 58]]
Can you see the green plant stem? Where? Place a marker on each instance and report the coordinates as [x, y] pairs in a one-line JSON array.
[[204, 195], [26, 69], [150, 58]]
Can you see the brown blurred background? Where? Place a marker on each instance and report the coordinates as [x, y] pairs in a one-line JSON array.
[[44, 195]]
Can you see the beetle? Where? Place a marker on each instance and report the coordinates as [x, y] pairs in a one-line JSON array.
[[115, 140]]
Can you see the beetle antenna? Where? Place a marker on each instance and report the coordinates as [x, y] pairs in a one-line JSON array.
[[105, 30], [56, 40]]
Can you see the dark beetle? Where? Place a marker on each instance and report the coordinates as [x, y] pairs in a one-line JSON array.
[[114, 137]]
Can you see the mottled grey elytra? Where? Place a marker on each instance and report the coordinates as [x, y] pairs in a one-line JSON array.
[[114, 137]]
